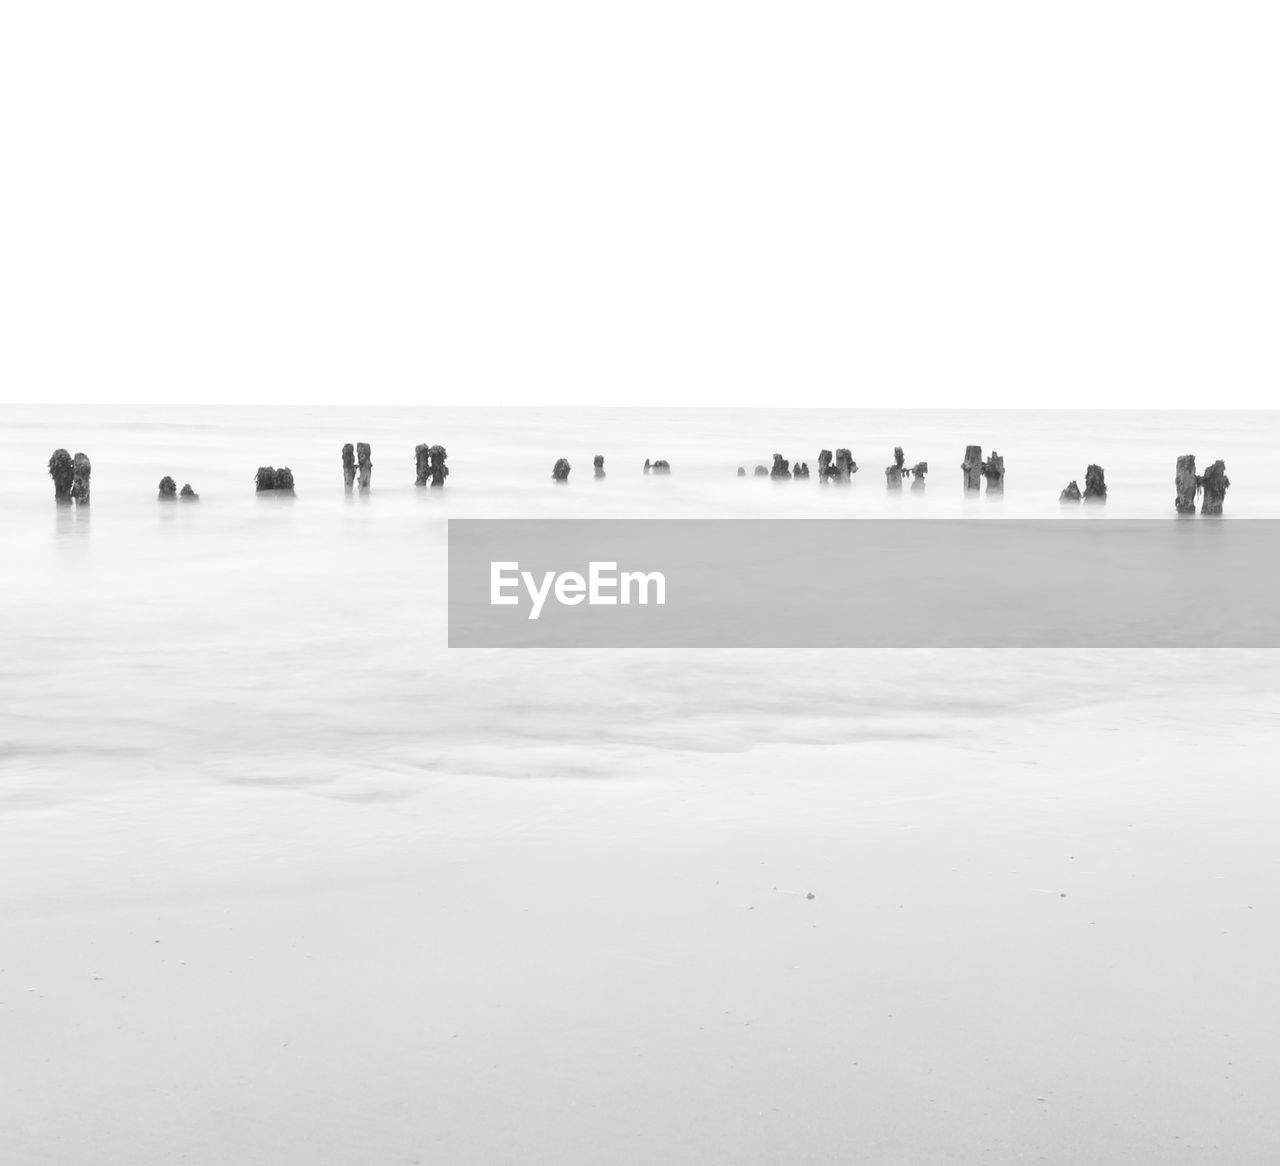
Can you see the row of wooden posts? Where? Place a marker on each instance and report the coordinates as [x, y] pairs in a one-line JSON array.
[[71, 475]]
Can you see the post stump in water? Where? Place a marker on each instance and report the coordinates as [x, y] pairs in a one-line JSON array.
[[273, 481], [560, 471], [1095, 484], [781, 467], [187, 494], [81, 469], [62, 471], [168, 489], [661, 466], [801, 470], [439, 471], [762, 471], [599, 465], [1214, 483], [348, 465], [993, 471], [971, 467], [742, 471], [1186, 484], [422, 464], [893, 474], [918, 472], [1071, 493], [364, 459]]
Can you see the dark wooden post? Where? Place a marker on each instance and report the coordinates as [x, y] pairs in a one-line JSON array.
[[1186, 484], [422, 462], [661, 466], [81, 469], [893, 473], [1071, 493], [993, 471], [348, 465], [801, 470], [918, 472], [742, 471], [762, 471], [781, 467], [187, 494], [62, 471], [599, 465], [168, 489], [273, 481], [1214, 483], [439, 471], [845, 464], [646, 465], [971, 467], [560, 471], [364, 459], [1095, 484]]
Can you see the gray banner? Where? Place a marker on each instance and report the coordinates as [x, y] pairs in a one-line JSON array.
[[920, 583]]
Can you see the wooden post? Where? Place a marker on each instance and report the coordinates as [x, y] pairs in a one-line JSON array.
[[993, 471], [1095, 484], [893, 473], [364, 459], [187, 494], [422, 462], [647, 465], [1071, 493], [1214, 483], [273, 481], [971, 467], [560, 471], [168, 489], [62, 471], [81, 469], [1186, 484], [845, 464], [661, 466], [348, 466], [918, 472], [742, 471], [762, 471], [439, 471], [599, 465], [801, 470], [781, 468]]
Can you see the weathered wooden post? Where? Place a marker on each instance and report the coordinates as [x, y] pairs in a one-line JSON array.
[[168, 490], [1186, 484], [422, 463], [364, 459], [918, 472], [893, 473], [661, 466], [62, 471], [762, 471], [599, 465], [560, 471], [647, 465], [824, 465], [187, 494], [742, 471], [801, 470], [845, 464], [273, 481], [993, 471], [81, 469], [971, 467], [1214, 483], [439, 471], [348, 466], [1095, 484], [781, 468], [1071, 493]]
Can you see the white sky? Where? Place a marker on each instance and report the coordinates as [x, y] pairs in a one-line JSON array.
[[960, 203]]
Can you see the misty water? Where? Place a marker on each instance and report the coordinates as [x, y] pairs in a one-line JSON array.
[[252, 639]]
